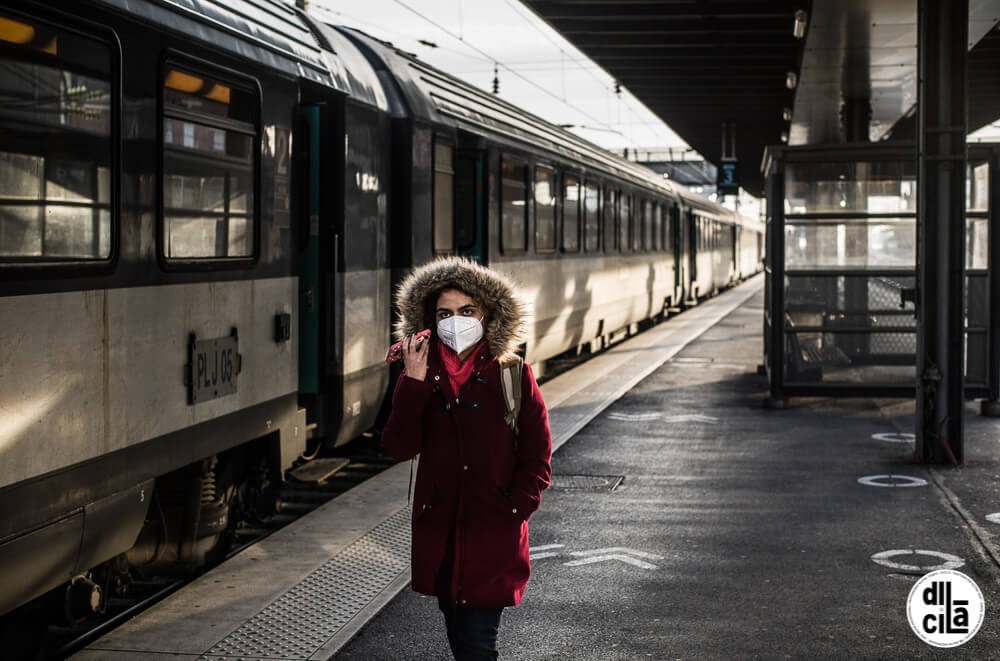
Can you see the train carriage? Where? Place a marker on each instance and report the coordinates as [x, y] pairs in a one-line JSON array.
[[152, 236]]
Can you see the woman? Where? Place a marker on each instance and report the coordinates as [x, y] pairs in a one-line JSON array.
[[476, 484]]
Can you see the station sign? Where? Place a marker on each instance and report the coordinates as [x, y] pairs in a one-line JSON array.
[[726, 180]]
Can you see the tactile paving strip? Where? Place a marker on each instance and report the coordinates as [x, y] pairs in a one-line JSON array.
[[300, 621]]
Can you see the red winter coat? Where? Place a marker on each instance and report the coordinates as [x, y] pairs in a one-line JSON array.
[[471, 486]]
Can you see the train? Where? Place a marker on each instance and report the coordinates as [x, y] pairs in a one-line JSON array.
[[204, 208]]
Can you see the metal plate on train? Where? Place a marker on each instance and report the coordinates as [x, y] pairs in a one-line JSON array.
[[213, 368]]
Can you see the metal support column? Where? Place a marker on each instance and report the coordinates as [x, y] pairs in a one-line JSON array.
[[991, 405], [942, 47], [775, 258]]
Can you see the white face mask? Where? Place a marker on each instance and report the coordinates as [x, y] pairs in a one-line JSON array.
[[460, 333]]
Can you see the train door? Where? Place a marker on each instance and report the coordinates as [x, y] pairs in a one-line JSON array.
[[677, 246], [734, 270], [319, 129], [470, 204], [309, 146], [343, 255], [692, 249]]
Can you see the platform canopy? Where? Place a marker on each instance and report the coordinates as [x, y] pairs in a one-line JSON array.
[[702, 64]]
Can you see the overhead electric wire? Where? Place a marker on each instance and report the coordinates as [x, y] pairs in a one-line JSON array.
[[500, 63], [410, 37], [479, 55], [514, 5], [517, 7]]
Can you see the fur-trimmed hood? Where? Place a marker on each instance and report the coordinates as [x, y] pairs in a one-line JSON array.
[[505, 314]]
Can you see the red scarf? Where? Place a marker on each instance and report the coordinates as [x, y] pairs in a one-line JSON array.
[[458, 371]]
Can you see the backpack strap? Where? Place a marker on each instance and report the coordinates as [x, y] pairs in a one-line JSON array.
[[510, 383]]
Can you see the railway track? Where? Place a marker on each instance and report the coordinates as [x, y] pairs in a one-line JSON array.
[[44, 630]]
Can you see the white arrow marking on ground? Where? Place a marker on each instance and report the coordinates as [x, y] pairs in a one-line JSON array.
[[618, 549], [543, 551], [894, 437], [545, 554], [613, 556], [633, 417], [993, 518], [693, 418], [545, 547], [619, 553]]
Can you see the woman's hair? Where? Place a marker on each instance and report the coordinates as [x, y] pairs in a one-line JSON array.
[[505, 314]]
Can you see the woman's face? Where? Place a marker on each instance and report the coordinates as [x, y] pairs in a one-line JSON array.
[[453, 302]]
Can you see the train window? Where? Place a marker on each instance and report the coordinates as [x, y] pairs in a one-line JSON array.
[[210, 158], [513, 205], [591, 218], [647, 225], [656, 231], [56, 147], [610, 215], [639, 225], [664, 237], [545, 210], [672, 228], [444, 195], [625, 223], [571, 215], [365, 230]]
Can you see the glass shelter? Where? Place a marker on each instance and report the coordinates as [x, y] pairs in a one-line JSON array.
[[840, 315]]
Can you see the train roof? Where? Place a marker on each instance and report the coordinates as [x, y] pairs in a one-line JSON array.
[[435, 96], [349, 65], [717, 211], [271, 33]]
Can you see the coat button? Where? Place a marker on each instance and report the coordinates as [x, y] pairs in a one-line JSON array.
[[465, 467], [437, 377], [463, 601], [423, 507], [514, 511]]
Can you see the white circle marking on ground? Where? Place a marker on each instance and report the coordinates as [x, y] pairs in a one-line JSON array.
[[993, 518], [950, 561], [895, 437], [892, 481]]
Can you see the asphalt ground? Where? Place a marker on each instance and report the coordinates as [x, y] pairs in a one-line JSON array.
[[737, 532]]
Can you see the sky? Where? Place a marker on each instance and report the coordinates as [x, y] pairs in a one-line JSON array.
[[537, 69]]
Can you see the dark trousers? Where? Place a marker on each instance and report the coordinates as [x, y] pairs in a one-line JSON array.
[[472, 632]]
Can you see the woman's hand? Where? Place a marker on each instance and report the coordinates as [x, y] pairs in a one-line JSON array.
[[415, 357]]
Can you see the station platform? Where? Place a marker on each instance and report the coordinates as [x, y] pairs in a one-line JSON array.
[[685, 521]]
